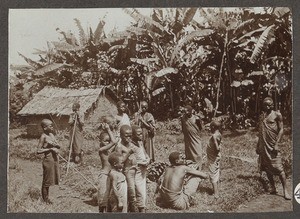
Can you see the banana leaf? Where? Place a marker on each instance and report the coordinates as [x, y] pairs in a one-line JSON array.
[[263, 40], [49, 68], [166, 71]]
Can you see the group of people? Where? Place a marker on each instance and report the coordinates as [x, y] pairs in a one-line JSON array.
[[127, 149]]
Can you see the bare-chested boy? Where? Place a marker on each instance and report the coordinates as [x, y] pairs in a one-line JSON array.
[[126, 148], [143, 161], [116, 186], [50, 148], [107, 141], [174, 193], [270, 133]]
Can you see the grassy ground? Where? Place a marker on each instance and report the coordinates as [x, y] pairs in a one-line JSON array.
[[239, 183]]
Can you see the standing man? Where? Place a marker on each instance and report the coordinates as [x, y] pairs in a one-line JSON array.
[[270, 133], [76, 133], [191, 126], [145, 120]]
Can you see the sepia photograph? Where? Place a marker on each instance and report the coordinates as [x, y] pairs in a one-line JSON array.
[[150, 110]]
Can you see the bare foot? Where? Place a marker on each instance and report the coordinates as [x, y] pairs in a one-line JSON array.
[[287, 196], [273, 191]]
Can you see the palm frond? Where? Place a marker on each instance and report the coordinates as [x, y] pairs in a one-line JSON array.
[[157, 15], [240, 28], [139, 17], [136, 30], [262, 42], [166, 71], [32, 63], [145, 61], [116, 47], [281, 11], [188, 15], [252, 33], [39, 52], [63, 46], [49, 68], [187, 39], [82, 35], [98, 31], [158, 91]]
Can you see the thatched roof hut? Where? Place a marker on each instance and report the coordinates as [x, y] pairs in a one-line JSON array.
[[56, 104]]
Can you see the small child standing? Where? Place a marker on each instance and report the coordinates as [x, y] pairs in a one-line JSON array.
[[214, 156], [142, 160], [50, 148], [107, 141], [116, 186]]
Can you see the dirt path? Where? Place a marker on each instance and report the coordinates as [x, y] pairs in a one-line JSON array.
[[69, 200], [269, 203]]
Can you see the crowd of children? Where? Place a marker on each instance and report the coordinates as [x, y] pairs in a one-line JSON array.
[[125, 156]]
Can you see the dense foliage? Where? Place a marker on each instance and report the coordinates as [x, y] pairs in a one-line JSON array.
[[221, 62]]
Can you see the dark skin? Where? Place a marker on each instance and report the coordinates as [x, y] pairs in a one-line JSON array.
[[276, 116], [126, 136], [143, 110], [113, 177], [196, 120], [174, 176], [137, 137], [47, 140], [107, 142]]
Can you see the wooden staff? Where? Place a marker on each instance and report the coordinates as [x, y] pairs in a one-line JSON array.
[[79, 172], [69, 158]]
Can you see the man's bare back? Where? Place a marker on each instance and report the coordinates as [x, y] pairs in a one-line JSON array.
[[174, 177]]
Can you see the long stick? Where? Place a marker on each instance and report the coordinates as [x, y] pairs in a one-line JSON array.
[[69, 158], [79, 172]]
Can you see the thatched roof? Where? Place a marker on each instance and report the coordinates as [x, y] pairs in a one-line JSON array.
[[59, 101]]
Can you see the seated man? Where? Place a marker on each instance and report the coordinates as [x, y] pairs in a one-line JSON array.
[[174, 191]]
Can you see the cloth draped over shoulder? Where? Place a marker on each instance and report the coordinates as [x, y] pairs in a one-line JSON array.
[[148, 134], [78, 136], [192, 139], [213, 160], [50, 169], [270, 161]]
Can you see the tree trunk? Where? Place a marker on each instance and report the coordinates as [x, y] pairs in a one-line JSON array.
[[220, 73]]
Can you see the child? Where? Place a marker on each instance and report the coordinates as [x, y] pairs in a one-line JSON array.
[[116, 186], [107, 141], [122, 117], [214, 155], [142, 160], [125, 147], [50, 148], [145, 120], [77, 135]]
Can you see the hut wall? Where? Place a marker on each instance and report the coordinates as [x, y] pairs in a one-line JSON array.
[[34, 128], [104, 106]]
